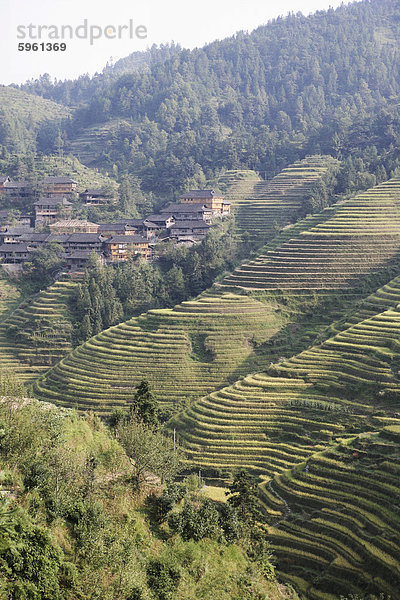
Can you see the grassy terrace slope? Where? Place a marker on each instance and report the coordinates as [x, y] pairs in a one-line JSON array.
[[40, 328], [10, 299], [354, 239], [32, 110], [184, 352], [339, 531], [262, 206], [270, 421]]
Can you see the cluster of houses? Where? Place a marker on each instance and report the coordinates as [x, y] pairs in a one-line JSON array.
[[185, 222]]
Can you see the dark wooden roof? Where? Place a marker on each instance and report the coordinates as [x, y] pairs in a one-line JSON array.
[[179, 207], [159, 218], [18, 230], [7, 248], [34, 237], [85, 237], [18, 184], [59, 238], [190, 225]]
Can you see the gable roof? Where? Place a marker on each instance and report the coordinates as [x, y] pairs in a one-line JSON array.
[[17, 230], [24, 247], [190, 225], [179, 207], [59, 238], [34, 237], [160, 218], [85, 237], [18, 184], [52, 201]]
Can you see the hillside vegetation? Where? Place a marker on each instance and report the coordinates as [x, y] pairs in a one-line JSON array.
[[191, 349], [325, 83], [74, 524], [22, 115]]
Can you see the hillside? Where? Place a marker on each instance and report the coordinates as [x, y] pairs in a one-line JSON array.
[[214, 339], [22, 115], [40, 329], [353, 239], [296, 86], [269, 421], [327, 83], [339, 530], [262, 208], [11, 300]]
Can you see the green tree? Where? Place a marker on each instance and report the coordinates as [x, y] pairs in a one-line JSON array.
[[144, 405], [242, 495], [150, 451]]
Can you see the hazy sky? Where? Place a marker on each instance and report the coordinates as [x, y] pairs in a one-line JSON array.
[[188, 22]]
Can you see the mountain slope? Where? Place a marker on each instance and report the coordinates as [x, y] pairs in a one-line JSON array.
[[191, 349], [22, 115], [339, 531]]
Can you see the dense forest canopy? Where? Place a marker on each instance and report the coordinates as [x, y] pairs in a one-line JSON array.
[[174, 117]]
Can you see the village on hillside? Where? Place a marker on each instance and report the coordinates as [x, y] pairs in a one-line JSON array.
[[50, 219]]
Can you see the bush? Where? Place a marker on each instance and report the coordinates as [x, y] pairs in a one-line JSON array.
[[162, 579]]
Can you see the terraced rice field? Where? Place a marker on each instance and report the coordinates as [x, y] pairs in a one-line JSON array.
[[257, 424], [199, 345], [184, 352], [40, 329], [353, 240], [356, 369], [262, 207], [335, 519], [332, 497], [9, 362]]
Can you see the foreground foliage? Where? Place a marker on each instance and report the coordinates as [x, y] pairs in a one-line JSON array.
[[73, 525]]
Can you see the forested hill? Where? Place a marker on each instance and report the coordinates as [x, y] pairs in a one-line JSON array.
[[295, 86], [78, 91]]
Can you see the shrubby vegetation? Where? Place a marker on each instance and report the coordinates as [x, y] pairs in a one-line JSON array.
[[73, 525]]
